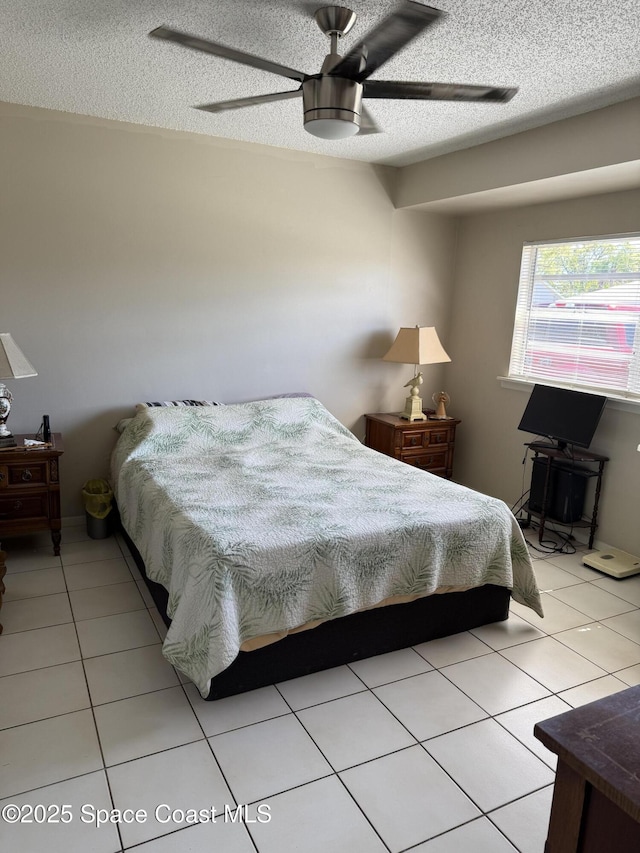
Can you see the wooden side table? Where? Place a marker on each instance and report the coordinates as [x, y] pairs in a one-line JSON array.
[[596, 798], [426, 444], [30, 490]]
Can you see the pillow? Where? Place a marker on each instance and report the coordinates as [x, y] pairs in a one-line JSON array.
[[140, 407], [292, 394], [122, 424]]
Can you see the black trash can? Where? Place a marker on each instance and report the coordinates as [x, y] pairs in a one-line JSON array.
[[98, 503]]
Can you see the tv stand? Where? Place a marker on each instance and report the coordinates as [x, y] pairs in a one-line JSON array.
[[586, 464], [561, 447]]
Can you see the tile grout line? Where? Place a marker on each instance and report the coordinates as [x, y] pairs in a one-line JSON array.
[[93, 716]]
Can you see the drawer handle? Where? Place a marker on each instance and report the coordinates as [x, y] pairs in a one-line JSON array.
[[27, 475], [1, 476], [16, 506]]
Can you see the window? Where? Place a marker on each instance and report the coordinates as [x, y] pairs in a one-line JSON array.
[[577, 322]]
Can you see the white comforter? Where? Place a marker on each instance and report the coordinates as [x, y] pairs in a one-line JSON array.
[[261, 517]]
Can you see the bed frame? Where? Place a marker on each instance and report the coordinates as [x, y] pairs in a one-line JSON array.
[[349, 638]]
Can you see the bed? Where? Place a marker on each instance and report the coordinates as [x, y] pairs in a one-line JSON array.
[[275, 544]]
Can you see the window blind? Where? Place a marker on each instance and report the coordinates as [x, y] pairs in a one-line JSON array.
[[577, 319]]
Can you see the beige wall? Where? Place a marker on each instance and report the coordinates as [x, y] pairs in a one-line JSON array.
[[599, 145], [490, 449], [143, 264]]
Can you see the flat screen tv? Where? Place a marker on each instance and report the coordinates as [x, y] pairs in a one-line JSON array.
[[565, 417]]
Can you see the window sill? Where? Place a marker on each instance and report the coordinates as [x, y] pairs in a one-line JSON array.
[[620, 403]]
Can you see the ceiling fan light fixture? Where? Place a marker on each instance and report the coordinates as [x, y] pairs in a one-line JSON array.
[[332, 128], [332, 106]]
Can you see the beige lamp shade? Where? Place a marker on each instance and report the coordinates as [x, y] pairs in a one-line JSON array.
[[419, 345], [13, 362]]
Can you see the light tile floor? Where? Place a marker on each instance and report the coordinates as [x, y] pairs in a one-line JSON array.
[[428, 749]]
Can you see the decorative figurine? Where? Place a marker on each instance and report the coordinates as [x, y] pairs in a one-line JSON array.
[[440, 399], [417, 380], [413, 403]]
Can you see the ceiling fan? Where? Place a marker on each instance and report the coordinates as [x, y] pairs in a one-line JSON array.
[[332, 99]]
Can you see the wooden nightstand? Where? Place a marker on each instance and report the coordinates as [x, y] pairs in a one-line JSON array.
[[30, 490], [426, 444]]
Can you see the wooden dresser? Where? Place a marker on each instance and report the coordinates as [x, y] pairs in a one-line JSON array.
[[30, 490], [596, 797], [426, 444]]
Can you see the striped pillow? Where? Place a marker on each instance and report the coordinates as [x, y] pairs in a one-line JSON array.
[[140, 407]]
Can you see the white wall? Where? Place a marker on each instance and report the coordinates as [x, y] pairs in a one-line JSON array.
[[143, 264], [490, 450]]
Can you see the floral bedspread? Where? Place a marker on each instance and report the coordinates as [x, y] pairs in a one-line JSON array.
[[260, 517]]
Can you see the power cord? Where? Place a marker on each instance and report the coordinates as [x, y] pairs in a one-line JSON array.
[[550, 546], [518, 506]]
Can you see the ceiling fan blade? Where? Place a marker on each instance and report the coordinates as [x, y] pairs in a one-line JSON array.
[[225, 52], [385, 40], [368, 124], [221, 106], [398, 89]]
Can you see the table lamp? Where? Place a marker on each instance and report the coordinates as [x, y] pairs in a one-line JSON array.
[[417, 346], [13, 365]]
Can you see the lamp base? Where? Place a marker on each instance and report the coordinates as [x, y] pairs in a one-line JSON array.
[[413, 409], [5, 409]]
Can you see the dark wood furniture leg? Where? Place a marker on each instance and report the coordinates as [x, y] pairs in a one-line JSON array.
[[3, 569]]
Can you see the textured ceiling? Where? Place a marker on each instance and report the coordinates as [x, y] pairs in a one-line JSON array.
[[94, 57]]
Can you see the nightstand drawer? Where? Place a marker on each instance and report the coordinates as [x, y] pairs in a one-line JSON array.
[[27, 506], [25, 474], [438, 436], [429, 461], [425, 437], [417, 438]]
